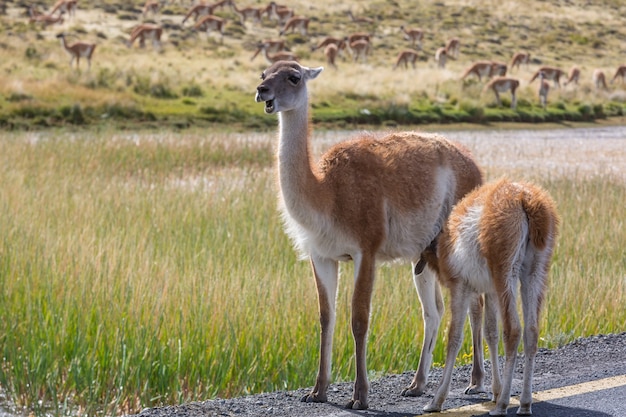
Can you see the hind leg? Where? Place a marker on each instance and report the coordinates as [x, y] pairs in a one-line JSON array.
[[478, 367]]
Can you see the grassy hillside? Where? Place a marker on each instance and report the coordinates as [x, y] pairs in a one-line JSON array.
[[196, 79]]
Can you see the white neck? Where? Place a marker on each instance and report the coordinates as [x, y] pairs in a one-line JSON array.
[[298, 183]]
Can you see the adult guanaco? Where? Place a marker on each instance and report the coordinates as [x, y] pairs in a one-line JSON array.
[[294, 23], [359, 19], [65, 7], [277, 56], [270, 45], [339, 42], [245, 13], [549, 73], [573, 76], [367, 200], [359, 49], [499, 237], [452, 48], [620, 73], [331, 51], [519, 58], [406, 57], [280, 13], [146, 31], [78, 50], [501, 85], [486, 69], [544, 89], [441, 57], [415, 36], [210, 23], [599, 79]]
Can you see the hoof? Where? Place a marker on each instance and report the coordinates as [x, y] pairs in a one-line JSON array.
[[432, 408], [475, 389], [313, 398], [412, 392], [356, 405], [524, 411], [497, 412]]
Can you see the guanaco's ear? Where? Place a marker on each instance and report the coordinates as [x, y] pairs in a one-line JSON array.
[[312, 73]]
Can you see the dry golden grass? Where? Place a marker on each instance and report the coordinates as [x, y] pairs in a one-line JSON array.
[[562, 33]]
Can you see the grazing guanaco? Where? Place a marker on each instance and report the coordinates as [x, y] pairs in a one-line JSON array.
[[151, 6], [270, 45], [65, 7], [406, 57], [518, 59], [358, 36], [340, 43], [549, 73], [244, 13], [331, 51], [210, 23], [359, 19], [441, 57], [300, 23], [452, 48], [416, 36], [599, 79], [499, 237], [44, 19], [498, 69], [277, 56], [573, 76], [501, 85], [367, 200], [280, 13], [146, 31], [78, 50], [484, 69], [359, 49], [202, 9], [620, 73]]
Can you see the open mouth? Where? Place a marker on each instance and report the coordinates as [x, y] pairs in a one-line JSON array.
[[269, 106]]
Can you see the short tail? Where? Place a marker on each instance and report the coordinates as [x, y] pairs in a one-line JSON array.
[[543, 218]]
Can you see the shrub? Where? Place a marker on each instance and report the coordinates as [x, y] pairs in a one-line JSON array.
[[192, 90]]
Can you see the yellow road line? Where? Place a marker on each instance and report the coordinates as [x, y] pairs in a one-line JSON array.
[[548, 395]]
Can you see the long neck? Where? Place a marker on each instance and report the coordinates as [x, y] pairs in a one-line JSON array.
[[300, 186], [64, 44]]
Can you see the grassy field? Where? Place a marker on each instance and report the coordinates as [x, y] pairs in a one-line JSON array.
[[139, 268], [197, 80], [144, 269]]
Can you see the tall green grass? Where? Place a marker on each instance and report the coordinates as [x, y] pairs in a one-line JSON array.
[[138, 270]]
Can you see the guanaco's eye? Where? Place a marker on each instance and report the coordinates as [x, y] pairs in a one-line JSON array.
[[263, 76], [294, 79]]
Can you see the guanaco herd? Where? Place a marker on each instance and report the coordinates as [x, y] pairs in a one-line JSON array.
[[359, 44]]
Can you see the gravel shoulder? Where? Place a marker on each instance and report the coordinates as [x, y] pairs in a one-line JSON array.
[[585, 359]]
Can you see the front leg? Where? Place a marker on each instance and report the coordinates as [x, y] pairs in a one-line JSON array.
[[364, 270], [432, 310], [325, 271]]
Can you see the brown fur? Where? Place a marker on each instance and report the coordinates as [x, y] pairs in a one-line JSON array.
[[509, 241], [518, 59], [369, 199], [550, 73]]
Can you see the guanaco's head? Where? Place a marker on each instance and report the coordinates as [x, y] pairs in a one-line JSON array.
[[284, 86]]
